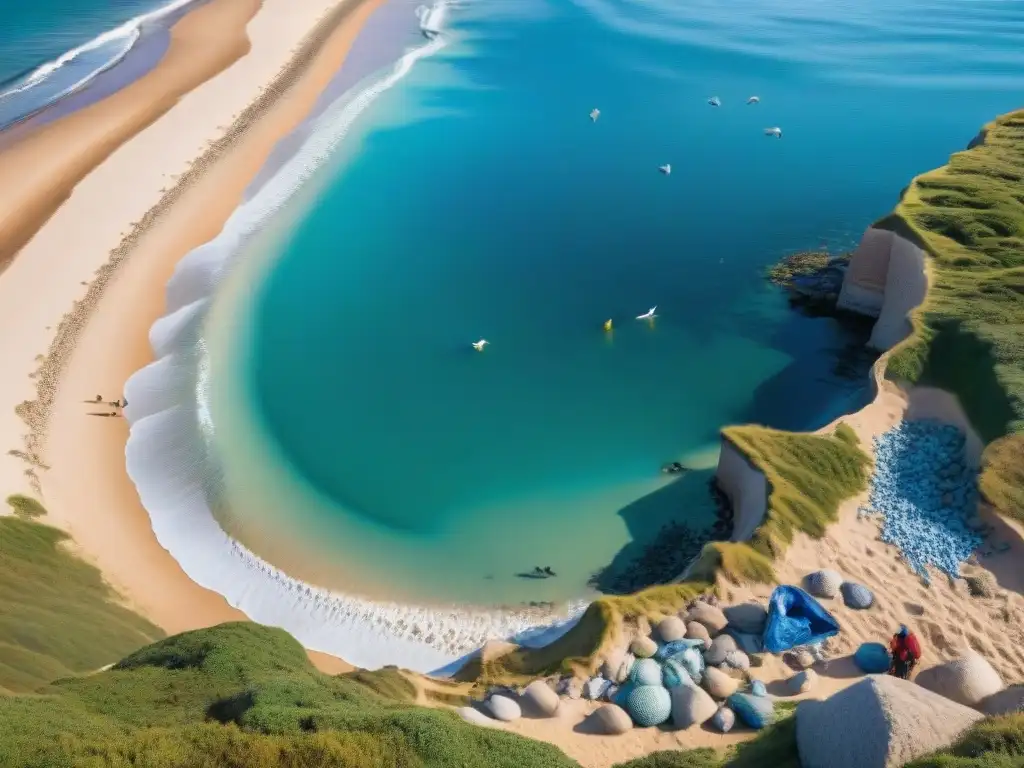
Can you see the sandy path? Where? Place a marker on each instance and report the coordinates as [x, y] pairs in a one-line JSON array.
[[97, 332]]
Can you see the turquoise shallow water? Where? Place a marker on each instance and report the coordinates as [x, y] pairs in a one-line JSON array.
[[476, 199]]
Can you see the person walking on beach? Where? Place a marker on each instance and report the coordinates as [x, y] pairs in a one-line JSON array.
[[906, 650]]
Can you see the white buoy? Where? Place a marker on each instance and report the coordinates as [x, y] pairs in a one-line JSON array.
[[479, 345], [714, 101], [666, 168], [754, 100], [776, 132], [649, 314], [594, 114]]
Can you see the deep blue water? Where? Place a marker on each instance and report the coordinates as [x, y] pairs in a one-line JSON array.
[[477, 199]]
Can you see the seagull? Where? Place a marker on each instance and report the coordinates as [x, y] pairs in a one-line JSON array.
[[594, 114], [649, 314], [479, 345], [753, 100], [714, 101], [666, 168], [776, 132]]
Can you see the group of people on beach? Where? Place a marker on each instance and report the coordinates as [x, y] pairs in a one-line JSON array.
[[118, 404]]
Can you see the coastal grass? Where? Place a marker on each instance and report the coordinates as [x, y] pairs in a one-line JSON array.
[[967, 338], [996, 742], [57, 615], [241, 694], [25, 507]]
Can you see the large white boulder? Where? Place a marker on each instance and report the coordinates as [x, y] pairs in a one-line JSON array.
[[879, 722], [966, 680]]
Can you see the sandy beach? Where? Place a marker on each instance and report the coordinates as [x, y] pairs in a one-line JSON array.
[[86, 288]]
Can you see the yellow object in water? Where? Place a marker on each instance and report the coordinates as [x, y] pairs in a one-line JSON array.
[[607, 325]]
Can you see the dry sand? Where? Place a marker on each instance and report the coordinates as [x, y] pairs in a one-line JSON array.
[[84, 291]]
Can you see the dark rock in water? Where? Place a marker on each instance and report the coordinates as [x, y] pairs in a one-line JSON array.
[[813, 279]]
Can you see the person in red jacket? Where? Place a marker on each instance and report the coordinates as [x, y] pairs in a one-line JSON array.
[[906, 650]]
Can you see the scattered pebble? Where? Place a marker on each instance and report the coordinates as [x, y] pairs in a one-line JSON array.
[[643, 647], [724, 719], [503, 708], [540, 699], [611, 720], [857, 596], [824, 583]]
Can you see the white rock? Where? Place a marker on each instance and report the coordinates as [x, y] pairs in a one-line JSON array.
[[712, 618], [503, 708], [966, 680], [476, 717], [737, 660], [595, 687], [539, 698], [610, 720], [697, 631], [719, 684], [643, 647], [669, 629], [691, 706]]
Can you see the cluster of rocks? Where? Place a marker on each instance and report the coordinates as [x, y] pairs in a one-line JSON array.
[[927, 495], [830, 584], [691, 669]]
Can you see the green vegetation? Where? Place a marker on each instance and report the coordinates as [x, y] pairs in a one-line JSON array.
[[808, 477], [57, 616], [969, 216], [25, 507], [996, 742], [797, 265], [245, 695]]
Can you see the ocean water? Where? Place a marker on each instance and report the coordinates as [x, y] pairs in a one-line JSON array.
[[363, 444], [50, 49]]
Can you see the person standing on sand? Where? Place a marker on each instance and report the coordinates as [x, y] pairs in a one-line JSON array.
[[906, 650]]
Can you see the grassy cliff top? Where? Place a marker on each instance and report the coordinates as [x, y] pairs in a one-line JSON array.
[[969, 216]]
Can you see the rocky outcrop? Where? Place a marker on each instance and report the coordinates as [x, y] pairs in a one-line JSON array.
[[747, 489], [886, 279]]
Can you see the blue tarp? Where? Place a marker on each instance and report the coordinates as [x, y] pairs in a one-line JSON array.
[[795, 618]]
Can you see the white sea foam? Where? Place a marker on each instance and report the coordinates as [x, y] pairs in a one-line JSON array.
[[168, 460], [119, 40]]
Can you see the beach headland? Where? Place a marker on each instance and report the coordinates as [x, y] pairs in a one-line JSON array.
[[85, 289]]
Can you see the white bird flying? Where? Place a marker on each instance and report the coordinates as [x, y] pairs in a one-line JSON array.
[[479, 345], [649, 314], [776, 132], [714, 101], [753, 100], [666, 168], [594, 114]]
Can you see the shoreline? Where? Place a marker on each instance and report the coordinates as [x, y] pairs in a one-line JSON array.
[[99, 343], [42, 168]]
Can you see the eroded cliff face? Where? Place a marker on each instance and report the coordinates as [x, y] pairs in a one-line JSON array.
[[887, 280], [747, 489]]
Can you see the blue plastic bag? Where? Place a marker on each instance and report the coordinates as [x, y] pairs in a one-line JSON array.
[[796, 618]]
